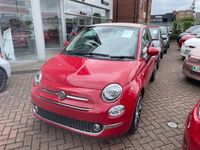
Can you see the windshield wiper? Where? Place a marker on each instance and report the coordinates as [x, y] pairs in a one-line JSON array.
[[86, 54], [98, 54], [122, 57]]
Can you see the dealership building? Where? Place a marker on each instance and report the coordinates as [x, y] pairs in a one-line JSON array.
[[37, 29]]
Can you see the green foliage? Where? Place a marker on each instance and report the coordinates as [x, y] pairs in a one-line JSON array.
[[181, 25]]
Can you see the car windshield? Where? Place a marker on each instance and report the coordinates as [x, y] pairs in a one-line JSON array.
[[198, 35], [163, 30], [190, 29], [107, 42], [154, 33], [196, 31]]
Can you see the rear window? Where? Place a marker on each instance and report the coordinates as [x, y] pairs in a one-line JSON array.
[[154, 33], [163, 30]]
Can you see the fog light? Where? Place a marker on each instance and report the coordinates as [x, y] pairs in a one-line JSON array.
[[116, 110], [96, 127], [35, 109]]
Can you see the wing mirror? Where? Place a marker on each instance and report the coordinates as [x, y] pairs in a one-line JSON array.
[[152, 51], [164, 37]]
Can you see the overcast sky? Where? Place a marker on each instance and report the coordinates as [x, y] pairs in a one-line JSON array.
[[166, 6]]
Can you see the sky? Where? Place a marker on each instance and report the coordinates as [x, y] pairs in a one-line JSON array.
[[167, 6]]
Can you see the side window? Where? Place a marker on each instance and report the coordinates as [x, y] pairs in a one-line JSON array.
[[145, 42], [145, 39]]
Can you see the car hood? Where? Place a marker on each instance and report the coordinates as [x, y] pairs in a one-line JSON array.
[[196, 52], [86, 72], [193, 42], [187, 36]]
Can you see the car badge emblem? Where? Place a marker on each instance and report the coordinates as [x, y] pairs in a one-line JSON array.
[[62, 95]]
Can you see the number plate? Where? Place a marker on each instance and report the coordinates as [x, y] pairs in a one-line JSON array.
[[196, 69], [187, 51]]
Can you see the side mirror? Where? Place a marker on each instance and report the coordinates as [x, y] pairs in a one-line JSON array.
[[152, 51], [164, 37], [66, 43]]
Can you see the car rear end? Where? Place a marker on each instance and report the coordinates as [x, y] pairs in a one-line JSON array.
[[191, 66]]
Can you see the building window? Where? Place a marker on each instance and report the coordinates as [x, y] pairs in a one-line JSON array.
[[80, 15], [16, 30], [51, 17]]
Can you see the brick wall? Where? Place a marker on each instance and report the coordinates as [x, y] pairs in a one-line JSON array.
[[137, 11]]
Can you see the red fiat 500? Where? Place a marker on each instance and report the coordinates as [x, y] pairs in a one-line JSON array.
[[96, 85], [192, 129]]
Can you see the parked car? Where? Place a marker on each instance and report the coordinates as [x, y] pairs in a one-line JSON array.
[[185, 38], [165, 37], [188, 31], [5, 72], [157, 41], [21, 37], [169, 30], [188, 46], [193, 34], [96, 85], [51, 35], [192, 126], [191, 66]]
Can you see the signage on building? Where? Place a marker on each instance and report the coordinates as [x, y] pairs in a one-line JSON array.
[[104, 2], [100, 3]]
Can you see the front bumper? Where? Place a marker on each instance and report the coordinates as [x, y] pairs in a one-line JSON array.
[[82, 117], [78, 126], [114, 127], [185, 51], [187, 70]]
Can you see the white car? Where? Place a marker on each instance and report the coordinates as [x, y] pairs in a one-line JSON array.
[[188, 46], [5, 72]]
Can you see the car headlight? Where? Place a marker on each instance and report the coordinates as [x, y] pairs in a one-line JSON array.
[[116, 111], [38, 78], [112, 92]]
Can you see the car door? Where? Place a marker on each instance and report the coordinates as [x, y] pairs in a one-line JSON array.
[[147, 62]]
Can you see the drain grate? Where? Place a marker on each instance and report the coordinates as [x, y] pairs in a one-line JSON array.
[[172, 125]]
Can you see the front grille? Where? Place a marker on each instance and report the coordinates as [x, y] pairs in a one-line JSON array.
[[69, 122]]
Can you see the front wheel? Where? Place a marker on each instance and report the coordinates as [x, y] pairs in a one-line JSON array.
[[136, 117], [3, 80], [153, 76]]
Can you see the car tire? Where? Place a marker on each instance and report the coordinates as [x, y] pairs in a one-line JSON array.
[[161, 55], [136, 115], [158, 64], [3, 80], [153, 76], [165, 52]]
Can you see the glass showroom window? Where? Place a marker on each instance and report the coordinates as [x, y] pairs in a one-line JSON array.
[[99, 15], [76, 19], [77, 8], [16, 30], [51, 17]]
